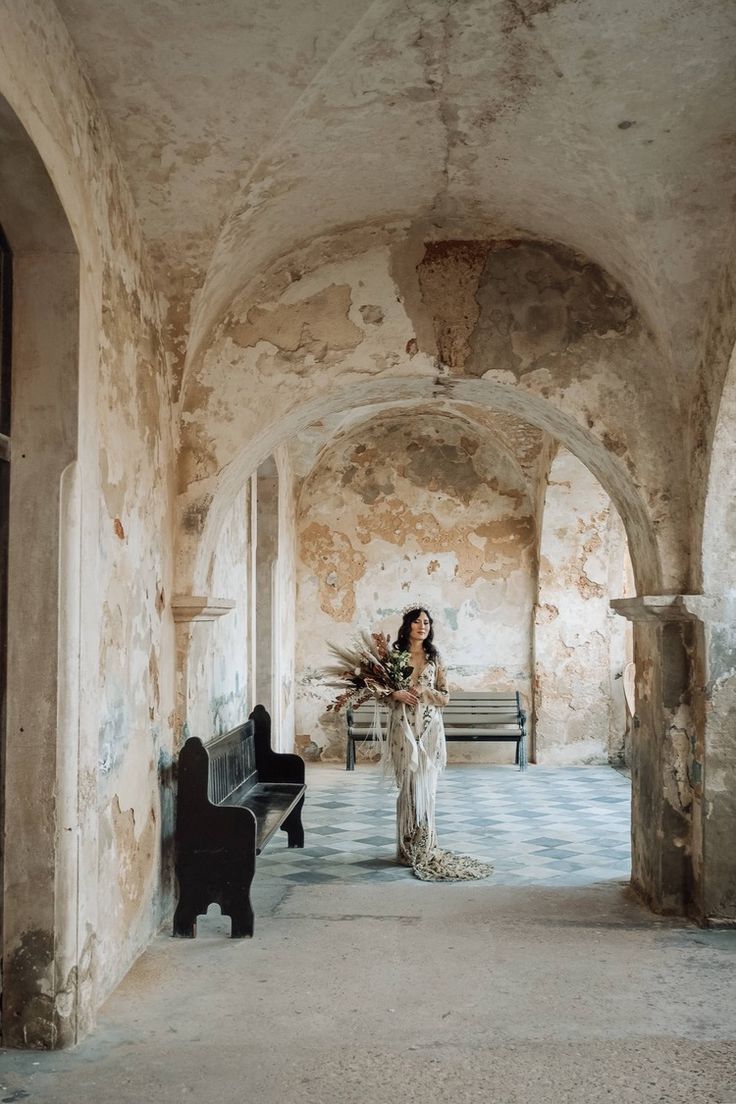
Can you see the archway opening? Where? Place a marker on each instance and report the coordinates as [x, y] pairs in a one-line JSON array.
[[447, 499], [41, 524], [461, 510], [583, 652]]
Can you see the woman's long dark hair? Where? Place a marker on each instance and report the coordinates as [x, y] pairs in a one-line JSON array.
[[402, 640]]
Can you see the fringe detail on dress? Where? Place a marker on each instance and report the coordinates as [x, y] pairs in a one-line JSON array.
[[432, 863], [415, 753]]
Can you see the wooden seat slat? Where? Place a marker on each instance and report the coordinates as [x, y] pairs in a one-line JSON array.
[[270, 804]]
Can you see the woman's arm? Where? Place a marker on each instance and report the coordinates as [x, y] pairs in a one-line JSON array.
[[440, 695]]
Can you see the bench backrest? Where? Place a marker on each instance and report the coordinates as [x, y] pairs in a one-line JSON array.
[[232, 762], [466, 706], [482, 707]]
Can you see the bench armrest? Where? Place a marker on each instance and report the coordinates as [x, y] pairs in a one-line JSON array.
[[273, 766]]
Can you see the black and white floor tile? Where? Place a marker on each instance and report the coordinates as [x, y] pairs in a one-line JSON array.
[[550, 826]]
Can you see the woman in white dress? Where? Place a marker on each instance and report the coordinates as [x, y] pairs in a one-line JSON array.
[[417, 754]]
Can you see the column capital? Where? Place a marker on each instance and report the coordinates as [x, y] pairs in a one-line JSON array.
[[663, 608]]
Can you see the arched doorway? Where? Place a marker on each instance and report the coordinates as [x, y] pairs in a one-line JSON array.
[[487, 400], [41, 940], [494, 354]]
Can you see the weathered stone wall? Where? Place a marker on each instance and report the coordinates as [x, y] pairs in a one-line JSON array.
[[111, 897], [218, 685], [286, 620], [133, 680], [405, 509], [579, 643], [710, 414], [713, 755], [415, 305]]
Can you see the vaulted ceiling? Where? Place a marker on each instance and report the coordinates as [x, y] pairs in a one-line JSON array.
[[248, 128]]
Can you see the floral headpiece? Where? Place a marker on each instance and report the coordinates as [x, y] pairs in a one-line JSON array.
[[418, 604]]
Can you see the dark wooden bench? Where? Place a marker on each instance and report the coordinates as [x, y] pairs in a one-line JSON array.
[[472, 715], [233, 794]]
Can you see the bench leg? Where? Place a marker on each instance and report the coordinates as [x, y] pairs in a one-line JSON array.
[[240, 911], [293, 826], [234, 899], [521, 753], [185, 917], [350, 756]]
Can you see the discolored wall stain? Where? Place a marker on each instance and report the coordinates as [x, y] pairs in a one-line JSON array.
[[337, 566], [449, 274], [313, 325], [135, 857], [28, 1000], [539, 300], [481, 550]]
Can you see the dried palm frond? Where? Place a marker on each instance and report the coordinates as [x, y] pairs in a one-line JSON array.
[[368, 668]]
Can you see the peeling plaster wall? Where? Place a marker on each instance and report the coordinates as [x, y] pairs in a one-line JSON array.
[[711, 413], [286, 620], [219, 691], [714, 753], [125, 533], [418, 506], [135, 696], [579, 643], [537, 328]]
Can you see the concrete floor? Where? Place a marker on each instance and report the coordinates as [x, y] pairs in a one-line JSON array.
[[403, 992]]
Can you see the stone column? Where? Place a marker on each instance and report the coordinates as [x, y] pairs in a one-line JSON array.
[[664, 766], [684, 754], [714, 813]]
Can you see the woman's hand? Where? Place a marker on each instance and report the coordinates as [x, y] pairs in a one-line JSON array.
[[408, 697]]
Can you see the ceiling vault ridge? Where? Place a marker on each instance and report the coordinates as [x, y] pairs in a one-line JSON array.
[[237, 207], [295, 109]]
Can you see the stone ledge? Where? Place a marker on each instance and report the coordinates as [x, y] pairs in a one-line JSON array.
[[187, 607]]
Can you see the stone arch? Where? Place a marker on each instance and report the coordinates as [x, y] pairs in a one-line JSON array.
[[43, 974], [203, 516], [466, 414], [531, 327], [344, 334]]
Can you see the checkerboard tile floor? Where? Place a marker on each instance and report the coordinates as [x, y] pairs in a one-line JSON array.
[[551, 826]]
